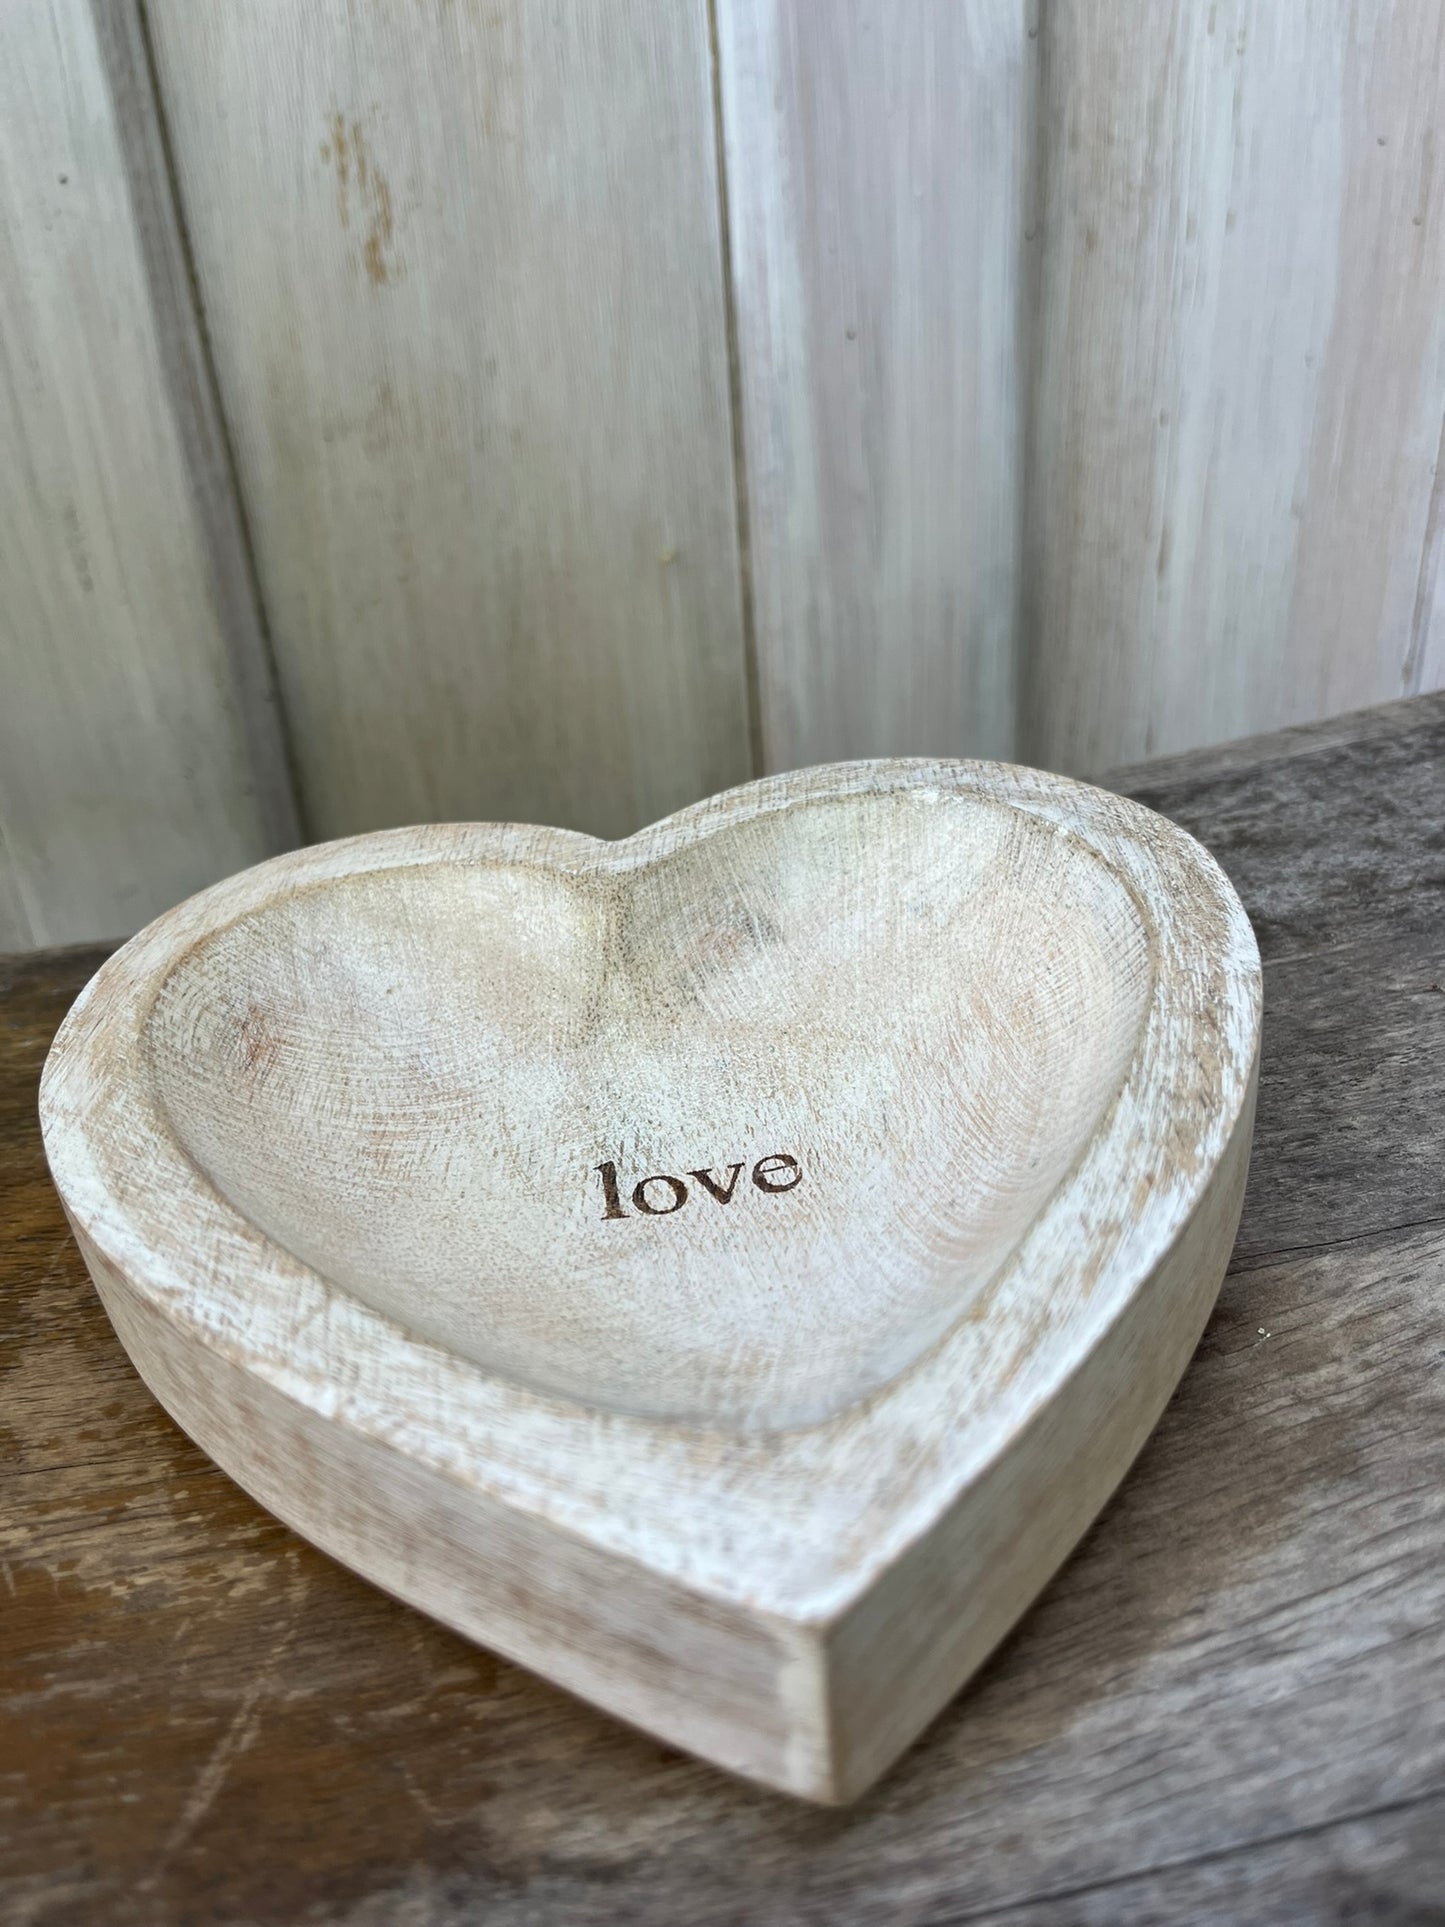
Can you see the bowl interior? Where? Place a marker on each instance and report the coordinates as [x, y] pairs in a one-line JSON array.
[[729, 1137]]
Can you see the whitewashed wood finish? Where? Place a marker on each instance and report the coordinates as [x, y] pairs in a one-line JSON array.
[[1234, 482], [1158, 284], [16, 930], [186, 362], [768, 1476], [877, 163], [124, 778], [463, 274]]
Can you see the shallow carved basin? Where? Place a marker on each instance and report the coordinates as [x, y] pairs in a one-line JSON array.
[[702, 1219], [410, 1079]]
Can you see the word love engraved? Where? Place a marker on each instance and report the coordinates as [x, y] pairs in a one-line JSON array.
[[661, 1194]]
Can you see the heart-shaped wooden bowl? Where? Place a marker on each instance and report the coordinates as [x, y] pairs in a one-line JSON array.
[[725, 1270]]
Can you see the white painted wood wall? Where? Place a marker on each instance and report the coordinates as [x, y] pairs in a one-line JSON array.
[[496, 410]]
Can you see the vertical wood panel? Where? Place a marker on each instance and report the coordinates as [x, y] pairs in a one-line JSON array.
[[462, 270], [17, 932], [1240, 385], [124, 780], [877, 161], [186, 362]]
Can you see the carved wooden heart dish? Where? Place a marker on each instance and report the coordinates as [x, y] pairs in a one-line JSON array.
[[725, 1270]]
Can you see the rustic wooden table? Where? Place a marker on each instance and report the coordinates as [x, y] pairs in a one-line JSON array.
[[1229, 1706]]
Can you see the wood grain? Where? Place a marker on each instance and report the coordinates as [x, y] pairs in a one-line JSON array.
[[124, 774], [877, 166], [1234, 481], [462, 270], [1306, 890], [1392, 726], [402, 1166], [186, 361], [1236, 1717], [1386, 1869], [1350, 929]]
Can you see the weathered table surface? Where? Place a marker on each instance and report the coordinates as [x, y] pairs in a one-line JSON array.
[[1229, 1706]]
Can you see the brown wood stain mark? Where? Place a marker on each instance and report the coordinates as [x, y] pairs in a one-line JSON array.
[[345, 149], [380, 236], [338, 151], [377, 189]]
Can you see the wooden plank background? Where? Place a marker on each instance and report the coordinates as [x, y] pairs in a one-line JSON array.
[[463, 276], [1234, 496], [589, 408], [877, 163], [126, 776]]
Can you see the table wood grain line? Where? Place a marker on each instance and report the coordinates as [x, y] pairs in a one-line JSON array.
[[1258, 1260], [1240, 1850]]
